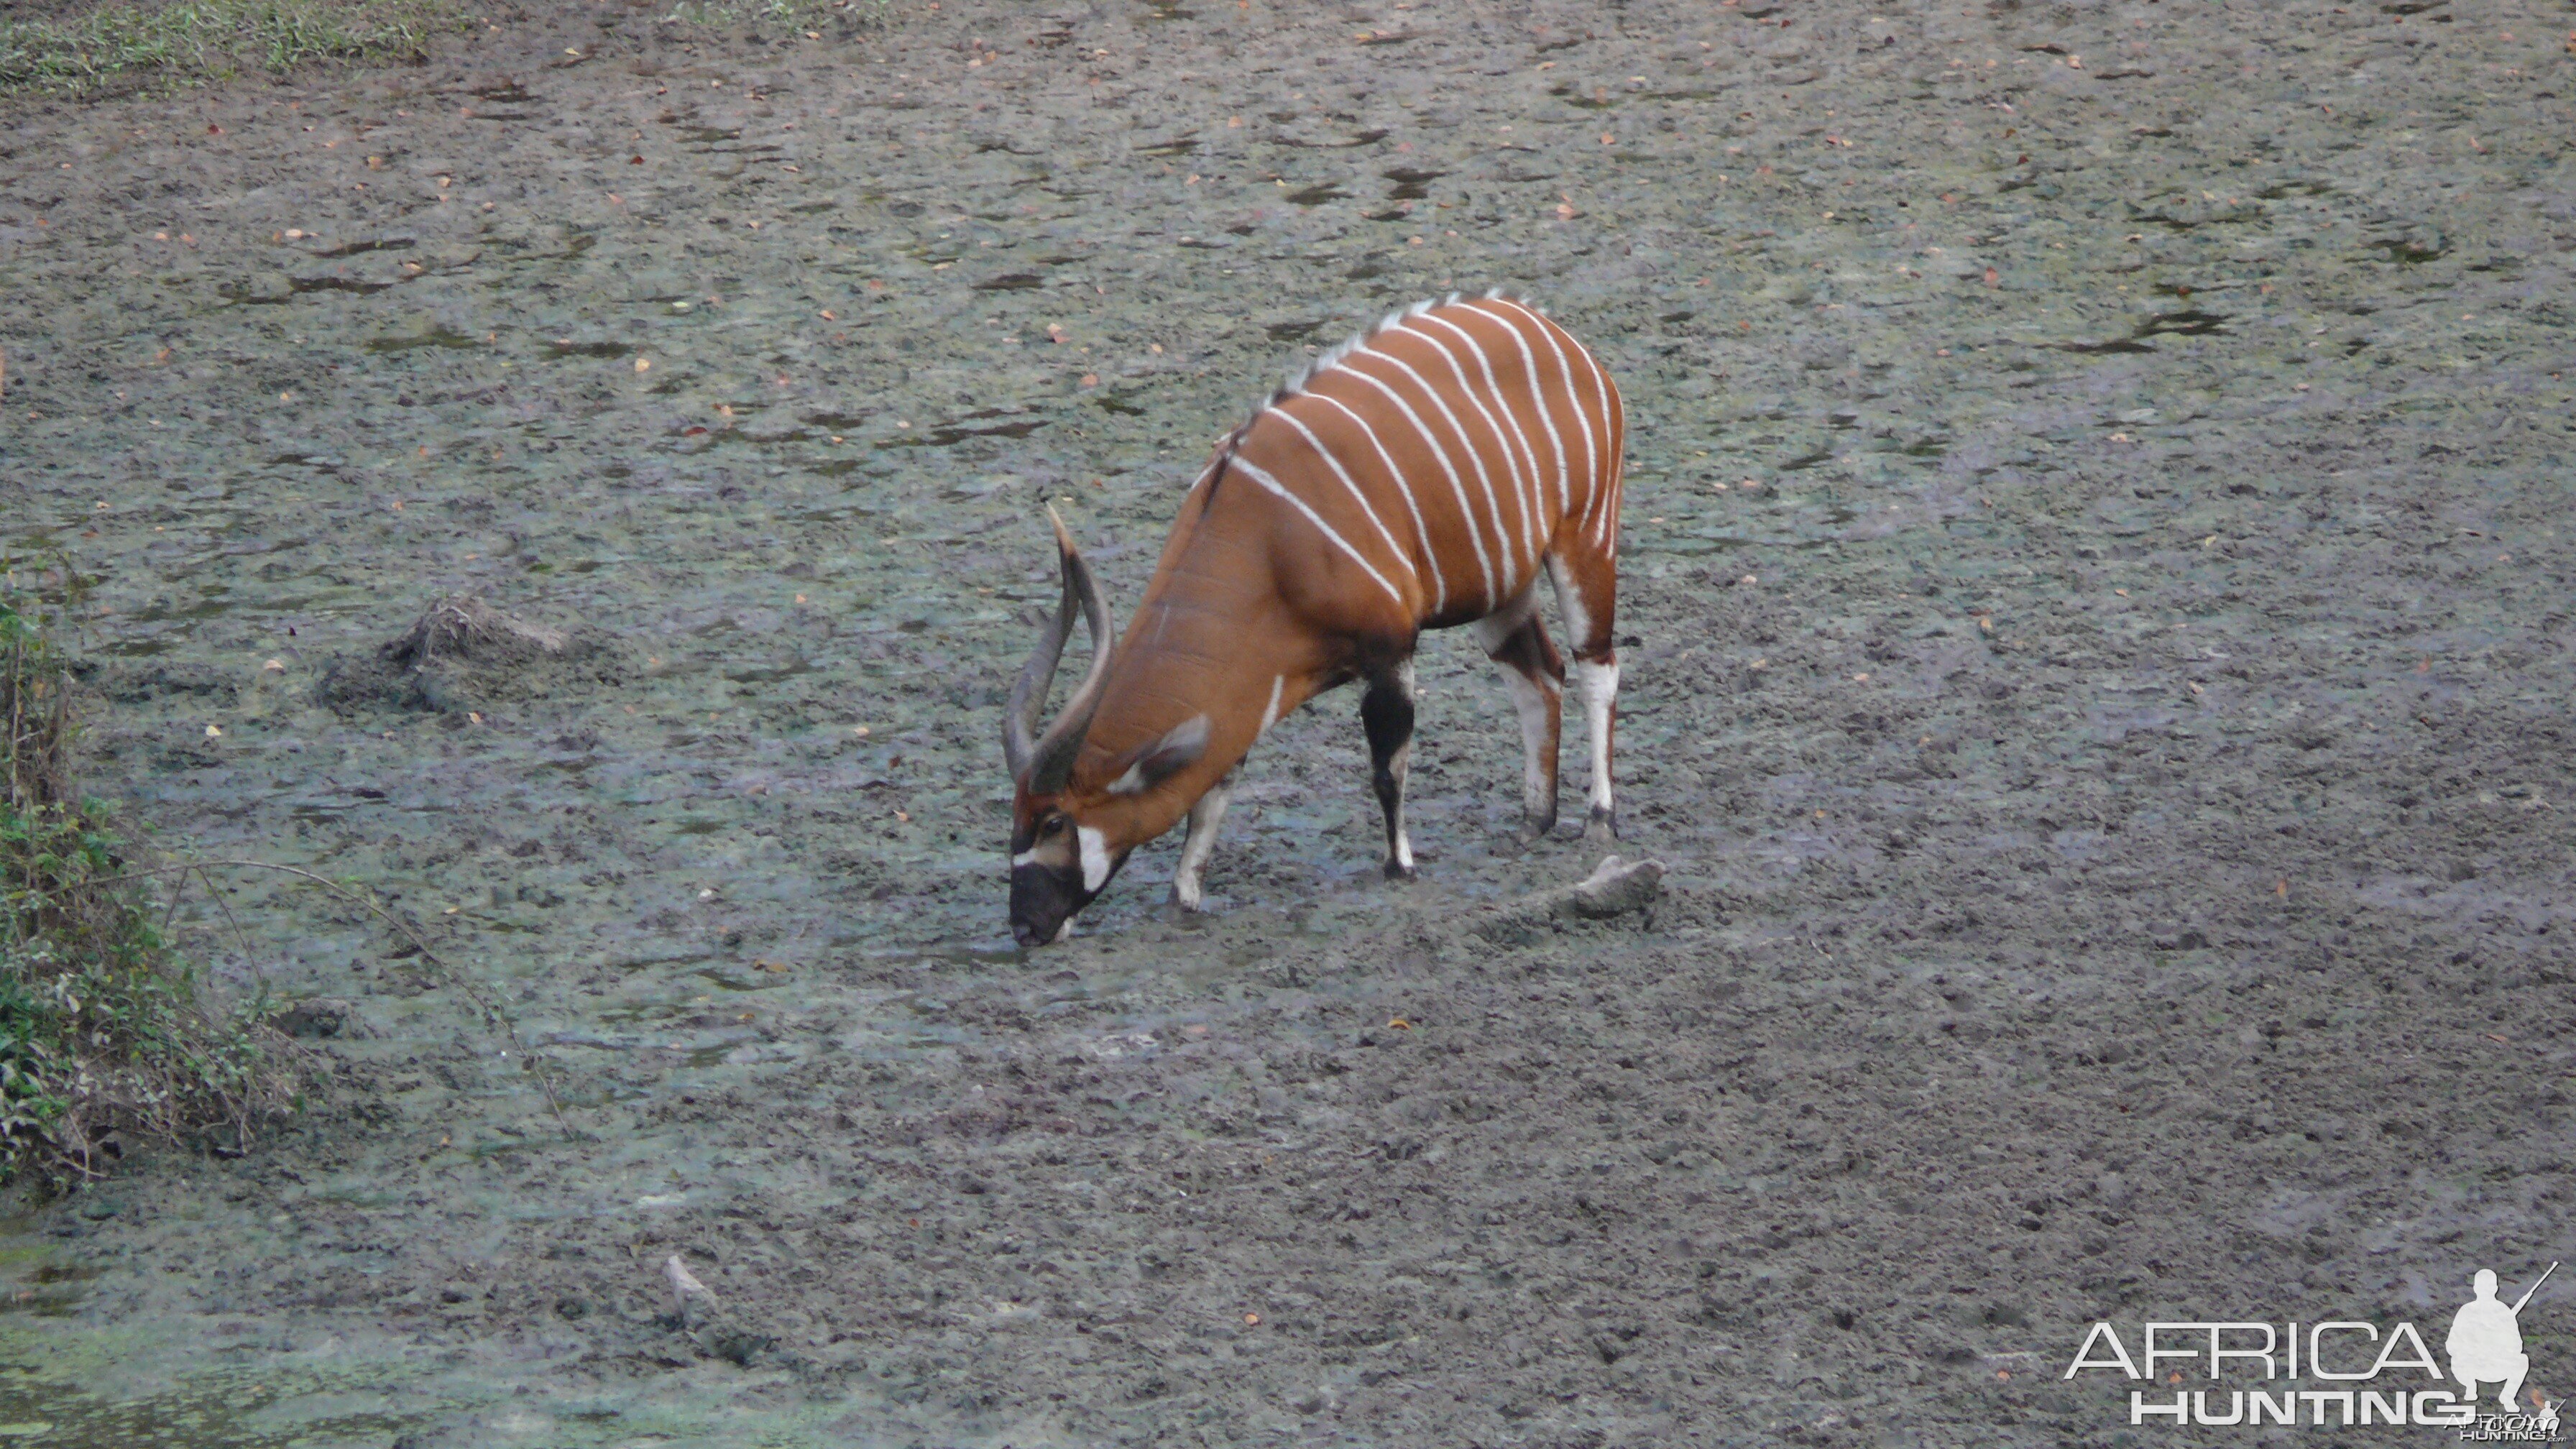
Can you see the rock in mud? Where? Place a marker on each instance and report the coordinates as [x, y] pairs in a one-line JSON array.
[[709, 1326], [1615, 888], [463, 653], [319, 1016], [689, 1297]]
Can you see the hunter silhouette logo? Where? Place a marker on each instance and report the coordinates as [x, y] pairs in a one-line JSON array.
[[2485, 1344], [2360, 1375]]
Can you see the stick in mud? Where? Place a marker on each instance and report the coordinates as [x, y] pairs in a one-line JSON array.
[[686, 1290], [1614, 888]]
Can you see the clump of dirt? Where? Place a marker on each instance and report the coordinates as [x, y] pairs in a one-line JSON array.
[[1615, 888], [463, 653]]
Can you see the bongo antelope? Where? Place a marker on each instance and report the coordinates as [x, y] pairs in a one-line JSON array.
[[1420, 476]]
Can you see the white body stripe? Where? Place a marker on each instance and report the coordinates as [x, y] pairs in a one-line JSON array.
[[1591, 455], [1317, 519], [1484, 476], [1546, 414], [1605, 501], [1457, 485], [1353, 489], [1521, 499], [1439, 583], [1270, 715], [1533, 496]]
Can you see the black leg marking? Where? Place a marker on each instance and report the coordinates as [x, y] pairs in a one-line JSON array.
[[1386, 713]]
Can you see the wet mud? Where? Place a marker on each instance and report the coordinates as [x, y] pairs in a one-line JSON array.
[[2095, 612]]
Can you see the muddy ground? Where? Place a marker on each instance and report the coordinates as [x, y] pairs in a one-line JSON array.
[[2097, 629]]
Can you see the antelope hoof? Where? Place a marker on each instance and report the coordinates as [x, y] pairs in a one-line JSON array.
[[1602, 828], [1535, 828], [1185, 905], [1398, 870]]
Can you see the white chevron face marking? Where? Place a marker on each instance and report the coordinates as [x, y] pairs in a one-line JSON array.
[[1095, 857], [1317, 519], [1439, 583], [1457, 485], [1394, 549]]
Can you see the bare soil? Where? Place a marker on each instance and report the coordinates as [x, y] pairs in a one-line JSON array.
[[2097, 614]]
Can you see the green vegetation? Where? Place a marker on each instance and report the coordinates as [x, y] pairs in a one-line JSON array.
[[190, 41], [198, 40], [102, 1027]]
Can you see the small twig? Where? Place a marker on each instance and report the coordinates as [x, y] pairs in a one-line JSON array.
[[172, 911], [491, 1013], [248, 955]]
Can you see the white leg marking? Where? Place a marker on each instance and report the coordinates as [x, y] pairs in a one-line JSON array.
[[1600, 690], [1317, 519], [1439, 584], [1095, 857], [1350, 487], [1457, 485], [1546, 414], [1497, 626], [1201, 840], [1536, 701], [1400, 765], [1578, 622], [1484, 477]]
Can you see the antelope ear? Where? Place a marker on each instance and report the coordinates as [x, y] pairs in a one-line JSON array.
[[1179, 747]]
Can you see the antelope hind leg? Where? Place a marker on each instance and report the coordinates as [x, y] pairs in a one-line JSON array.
[[1535, 676], [1587, 591]]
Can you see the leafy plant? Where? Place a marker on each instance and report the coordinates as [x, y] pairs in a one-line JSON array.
[[102, 1026]]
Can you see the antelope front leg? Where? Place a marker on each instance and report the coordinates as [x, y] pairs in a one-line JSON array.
[[1201, 840], [1386, 713]]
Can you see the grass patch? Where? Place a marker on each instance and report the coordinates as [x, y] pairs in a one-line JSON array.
[[123, 45], [103, 1028], [203, 40]]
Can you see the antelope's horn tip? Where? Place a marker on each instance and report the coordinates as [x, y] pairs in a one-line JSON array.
[[1063, 538]]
